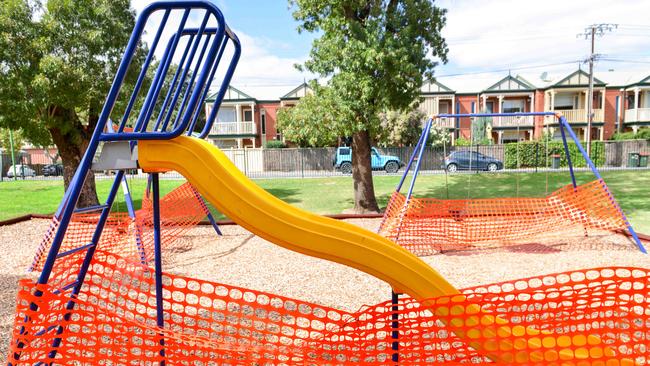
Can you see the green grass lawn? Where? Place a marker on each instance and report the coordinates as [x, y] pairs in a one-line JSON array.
[[333, 195]]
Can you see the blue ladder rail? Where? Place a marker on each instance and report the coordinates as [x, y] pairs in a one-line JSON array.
[[202, 67]]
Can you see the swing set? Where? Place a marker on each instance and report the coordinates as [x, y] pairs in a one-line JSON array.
[[430, 225]]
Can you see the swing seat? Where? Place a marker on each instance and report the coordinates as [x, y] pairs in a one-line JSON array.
[[428, 225]]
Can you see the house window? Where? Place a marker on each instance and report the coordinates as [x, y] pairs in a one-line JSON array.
[[278, 136], [489, 106], [263, 121], [513, 106], [473, 107], [226, 115], [564, 102], [248, 116]]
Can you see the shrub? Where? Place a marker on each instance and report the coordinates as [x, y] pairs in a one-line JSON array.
[[461, 141], [275, 144], [642, 134], [533, 154]]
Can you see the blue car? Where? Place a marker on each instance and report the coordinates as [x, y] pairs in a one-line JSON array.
[[343, 161], [471, 160]]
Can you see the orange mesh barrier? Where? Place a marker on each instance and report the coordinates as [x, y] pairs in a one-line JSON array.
[[600, 316], [80, 232], [428, 225], [180, 210]]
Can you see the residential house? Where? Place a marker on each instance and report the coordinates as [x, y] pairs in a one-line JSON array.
[[569, 96], [512, 94], [636, 100]]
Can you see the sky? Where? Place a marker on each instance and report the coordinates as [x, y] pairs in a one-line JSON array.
[[487, 38]]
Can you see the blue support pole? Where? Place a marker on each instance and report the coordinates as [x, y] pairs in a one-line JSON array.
[[163, 109], [412, 158], [160, 315], [594, 170], [154, 90], [192, 78], [206, 90], [143, 73], [423, 145], [395, 326], [567, 153]]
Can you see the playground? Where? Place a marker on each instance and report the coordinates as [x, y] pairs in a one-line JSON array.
[[558, 277], [240, 252]]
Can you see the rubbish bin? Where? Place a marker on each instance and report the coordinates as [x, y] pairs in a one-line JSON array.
[[556, 161], [633, 160], [643, 160]]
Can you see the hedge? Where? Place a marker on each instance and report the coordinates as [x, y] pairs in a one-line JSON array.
[[533, 154]]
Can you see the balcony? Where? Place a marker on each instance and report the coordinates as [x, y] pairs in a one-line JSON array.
[[576, 116], [233, 128], [446, 123], [513, 122], [637, 115]]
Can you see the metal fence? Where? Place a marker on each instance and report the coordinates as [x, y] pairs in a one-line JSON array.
[[319, 162]]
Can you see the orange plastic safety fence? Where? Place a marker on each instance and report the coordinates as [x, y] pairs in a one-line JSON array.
[[590, 317], [426, 225], [180, 210], [114, 321], [80, 232]]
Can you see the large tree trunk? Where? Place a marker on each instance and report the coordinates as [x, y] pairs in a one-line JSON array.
[[72, 147], [364, 189]]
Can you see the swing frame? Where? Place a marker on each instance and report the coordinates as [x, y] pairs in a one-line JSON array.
[[565, 129]]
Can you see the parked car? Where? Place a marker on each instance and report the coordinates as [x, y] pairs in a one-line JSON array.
[[53, 169], [21, 171], [343, 161], [466, 160]]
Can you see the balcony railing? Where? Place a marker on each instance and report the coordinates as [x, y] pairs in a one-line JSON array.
[[446, 122], [637, 115], [576, 116], [233, 128], [514, 121]]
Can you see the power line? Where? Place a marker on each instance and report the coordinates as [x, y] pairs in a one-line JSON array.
[[509, 69]]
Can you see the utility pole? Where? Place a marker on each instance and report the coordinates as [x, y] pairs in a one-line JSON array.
[[593, 31]]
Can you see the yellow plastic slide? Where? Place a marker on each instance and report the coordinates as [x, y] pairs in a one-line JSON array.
[[232, 193]]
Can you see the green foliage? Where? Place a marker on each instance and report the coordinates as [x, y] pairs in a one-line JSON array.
[[481, 128], [399, 128], [275, 144], [5, 142], [530, 154], [313, 122], [377, 53], [438, 136], [642, 134], [57, 66], [461, 141]]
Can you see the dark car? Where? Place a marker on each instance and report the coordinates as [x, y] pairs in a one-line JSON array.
[[471, 160], [53, 169]]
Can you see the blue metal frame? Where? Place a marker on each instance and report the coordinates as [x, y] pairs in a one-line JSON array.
[[565, 127], [194, 96]]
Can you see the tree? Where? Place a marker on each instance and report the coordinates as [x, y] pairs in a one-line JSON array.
[[376, 54], [313, 122], [481, 130], [57, 63], [399, 128], [6, 143]]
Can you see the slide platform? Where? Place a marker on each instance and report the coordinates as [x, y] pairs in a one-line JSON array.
[[231, 192]]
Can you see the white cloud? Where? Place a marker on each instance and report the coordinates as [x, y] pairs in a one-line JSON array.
[[258, 64], [493, 34]]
